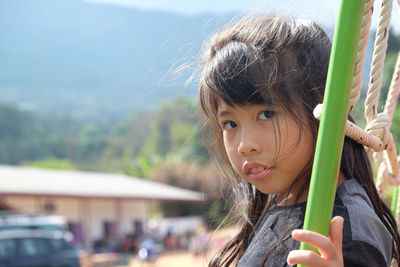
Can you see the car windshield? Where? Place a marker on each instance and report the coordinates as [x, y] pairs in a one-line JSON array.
[[8, 249], [58, 244], [31, 247], [40, 227]]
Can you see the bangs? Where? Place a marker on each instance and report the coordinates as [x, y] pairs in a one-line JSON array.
[[232, 76]]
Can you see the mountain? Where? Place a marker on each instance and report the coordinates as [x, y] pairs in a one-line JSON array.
[[92, 59], [96, 61]]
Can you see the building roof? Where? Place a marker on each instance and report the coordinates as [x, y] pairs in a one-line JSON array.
[[17, 180]]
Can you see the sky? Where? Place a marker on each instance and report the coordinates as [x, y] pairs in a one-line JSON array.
[[321, 11]]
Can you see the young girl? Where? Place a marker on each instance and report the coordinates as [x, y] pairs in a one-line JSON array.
[[261, 80]]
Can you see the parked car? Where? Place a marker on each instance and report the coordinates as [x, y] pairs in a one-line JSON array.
[[10, 220], [17, 220], [36, 248]]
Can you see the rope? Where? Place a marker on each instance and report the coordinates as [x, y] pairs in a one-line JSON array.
[[381, 183], [390, 106], [376, 136], [378, 58], [361, 50], [357, 134]]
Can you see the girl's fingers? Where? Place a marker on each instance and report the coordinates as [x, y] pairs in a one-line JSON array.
[[305, 257], [328, 247], [336, 232], [322, 243]]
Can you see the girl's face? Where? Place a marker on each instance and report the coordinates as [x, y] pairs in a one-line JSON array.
[[270, 162]]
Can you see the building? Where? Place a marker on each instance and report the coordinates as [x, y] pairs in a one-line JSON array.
[[95, 205]]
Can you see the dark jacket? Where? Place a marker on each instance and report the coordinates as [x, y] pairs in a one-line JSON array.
[[366, 241]]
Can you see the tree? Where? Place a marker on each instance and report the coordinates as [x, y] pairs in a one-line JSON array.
[[172, 130], [201, 178], [52, 163], [21, 136]]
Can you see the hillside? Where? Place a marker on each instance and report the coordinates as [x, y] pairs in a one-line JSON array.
[[84, 58], [95, 61]]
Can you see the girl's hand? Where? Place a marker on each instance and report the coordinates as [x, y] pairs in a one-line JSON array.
[[329, 248]]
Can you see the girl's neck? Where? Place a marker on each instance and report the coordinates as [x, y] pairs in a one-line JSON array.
[[287, 199]]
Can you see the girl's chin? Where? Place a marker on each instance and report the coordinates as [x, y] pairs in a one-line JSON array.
[[281, 194], [265, 189]]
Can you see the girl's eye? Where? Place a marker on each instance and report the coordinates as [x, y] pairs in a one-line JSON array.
[[266, 114], [228, 125]]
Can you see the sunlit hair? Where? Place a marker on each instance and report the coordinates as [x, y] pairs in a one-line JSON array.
[[279, 61]]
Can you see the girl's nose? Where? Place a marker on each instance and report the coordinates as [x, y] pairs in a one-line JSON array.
[[249, 145]]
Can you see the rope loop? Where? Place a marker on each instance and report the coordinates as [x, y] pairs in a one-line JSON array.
[[379, 127]]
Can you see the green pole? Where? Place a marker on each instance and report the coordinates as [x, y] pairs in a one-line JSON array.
[[393, 205], [333, 118]]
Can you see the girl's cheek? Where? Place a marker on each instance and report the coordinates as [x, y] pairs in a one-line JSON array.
[[228, 137], [227, 145]]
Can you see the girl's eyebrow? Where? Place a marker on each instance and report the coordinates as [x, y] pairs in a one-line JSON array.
[[223, 113]]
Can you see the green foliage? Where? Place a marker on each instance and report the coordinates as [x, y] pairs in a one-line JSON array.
[[90, 141], [174, 133], [390, 61], [181, 133], [388, 69], [157, 141], [140, 168], [391, 57], [52, 163], [21, 136], [393, 42], [144, 165], [133, 171], [130, 146], [395, 128]]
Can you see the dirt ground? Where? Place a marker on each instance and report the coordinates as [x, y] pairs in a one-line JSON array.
[[186, 258], [175, 259]]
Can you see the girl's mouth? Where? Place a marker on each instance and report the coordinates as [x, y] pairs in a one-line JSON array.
[[259, 173]]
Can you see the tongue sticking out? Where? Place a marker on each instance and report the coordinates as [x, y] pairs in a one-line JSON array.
[[257, 170]]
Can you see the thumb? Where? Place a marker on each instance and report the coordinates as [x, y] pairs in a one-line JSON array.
[[336, 232]]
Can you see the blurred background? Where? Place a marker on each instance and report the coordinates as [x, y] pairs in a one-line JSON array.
[[100, 142]]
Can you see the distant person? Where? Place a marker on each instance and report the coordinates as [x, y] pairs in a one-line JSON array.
[[170, 240], [128, 243], [198, 243], [261, 79]]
